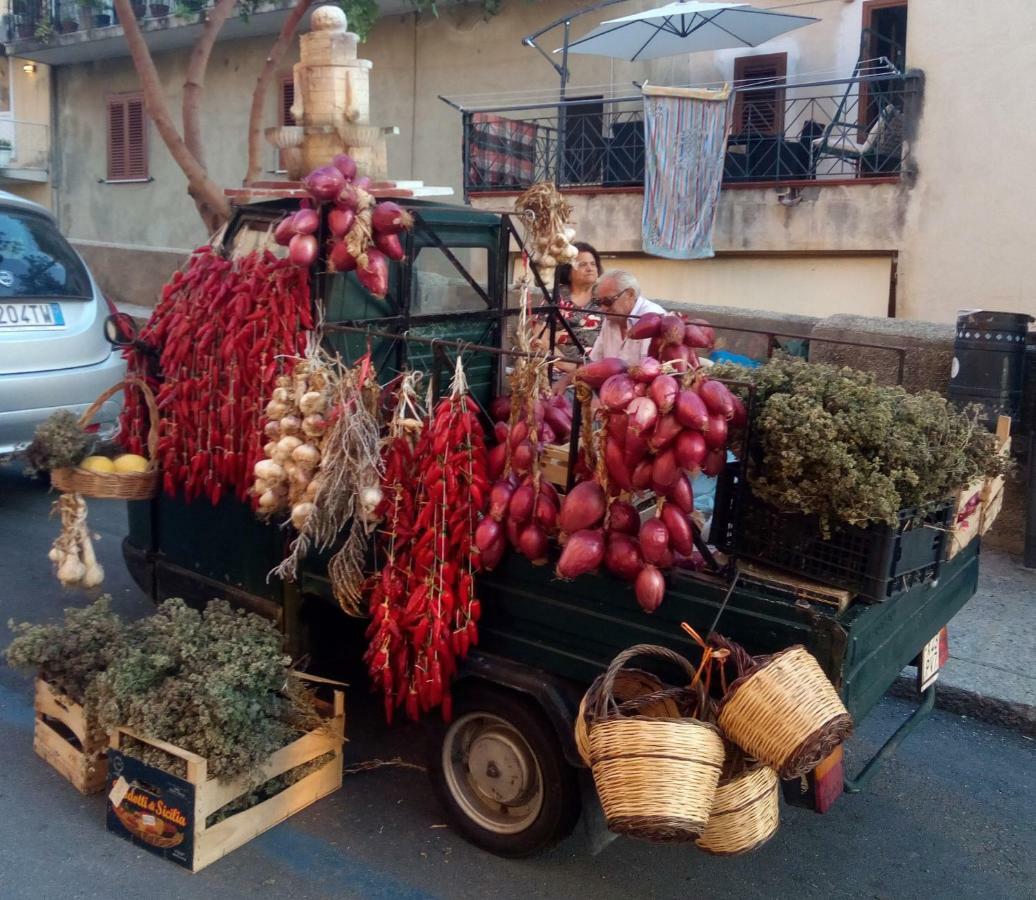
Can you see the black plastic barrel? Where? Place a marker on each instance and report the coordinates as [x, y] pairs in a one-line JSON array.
[[989, 362]]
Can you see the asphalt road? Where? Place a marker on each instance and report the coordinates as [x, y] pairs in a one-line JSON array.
[[950, 815]]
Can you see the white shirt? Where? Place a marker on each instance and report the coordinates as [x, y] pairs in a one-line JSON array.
[[610, 341]]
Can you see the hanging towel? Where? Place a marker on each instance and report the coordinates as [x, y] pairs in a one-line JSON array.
[[685, 137]]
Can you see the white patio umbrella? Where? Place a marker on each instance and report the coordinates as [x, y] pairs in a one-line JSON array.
[[686, 27]]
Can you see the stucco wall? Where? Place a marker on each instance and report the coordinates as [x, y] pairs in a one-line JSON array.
[[30, 131]]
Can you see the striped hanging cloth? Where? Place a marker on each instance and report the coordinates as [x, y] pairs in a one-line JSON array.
[[685, 138]]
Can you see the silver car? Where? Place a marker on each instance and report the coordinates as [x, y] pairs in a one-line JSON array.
[[53, 350]]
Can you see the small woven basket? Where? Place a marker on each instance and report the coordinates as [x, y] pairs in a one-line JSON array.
[[633, 687], [115, 485], [656, 777], [785, 712], [746, 810]]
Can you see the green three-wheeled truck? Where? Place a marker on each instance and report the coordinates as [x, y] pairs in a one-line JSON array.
[[507, 768]]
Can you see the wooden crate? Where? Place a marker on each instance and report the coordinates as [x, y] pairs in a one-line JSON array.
[[554, 464], [804, 591], [993, 491], [61, 737], [967, 520], [167, 815]]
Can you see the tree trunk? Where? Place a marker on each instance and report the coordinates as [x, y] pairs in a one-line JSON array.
[[212, 204], [194, 83], [262, 84]]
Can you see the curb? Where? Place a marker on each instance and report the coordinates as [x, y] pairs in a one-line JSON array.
[[962, 702]]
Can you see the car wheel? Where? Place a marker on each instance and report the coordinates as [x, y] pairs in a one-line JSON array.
[[499, 770]]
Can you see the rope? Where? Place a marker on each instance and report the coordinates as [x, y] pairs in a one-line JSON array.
[[369, 765]]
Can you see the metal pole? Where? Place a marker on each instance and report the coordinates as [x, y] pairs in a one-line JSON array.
[[562, 111], [1030, 506]]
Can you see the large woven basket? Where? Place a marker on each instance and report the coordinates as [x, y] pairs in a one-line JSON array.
[[785, 712], [633, 689], [656, 777], [746, 810], [115, 485]]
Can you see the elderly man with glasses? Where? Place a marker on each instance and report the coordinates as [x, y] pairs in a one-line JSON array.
[[618, 295]]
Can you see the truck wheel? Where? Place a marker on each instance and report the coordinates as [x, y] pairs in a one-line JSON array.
[[499, 771]]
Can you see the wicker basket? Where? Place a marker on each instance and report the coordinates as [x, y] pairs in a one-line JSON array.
[[656, 777], [746, 810], [633, 689], [115, 485], [785, 712]]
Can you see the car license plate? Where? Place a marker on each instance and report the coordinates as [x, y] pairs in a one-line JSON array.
[[930, 662], [31, 315]]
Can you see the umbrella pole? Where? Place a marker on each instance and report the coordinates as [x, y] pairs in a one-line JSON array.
[[562, 111]]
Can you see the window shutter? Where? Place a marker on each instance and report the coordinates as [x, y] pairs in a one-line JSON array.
[[760, 110], [287, 101], [127, 138]]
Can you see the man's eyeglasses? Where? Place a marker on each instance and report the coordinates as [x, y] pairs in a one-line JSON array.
[[610, 300]]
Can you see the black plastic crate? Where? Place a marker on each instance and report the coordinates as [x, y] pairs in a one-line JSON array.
[[876, 562]]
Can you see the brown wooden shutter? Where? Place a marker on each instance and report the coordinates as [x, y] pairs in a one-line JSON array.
[[287, 101], [760, 110], [127, 138]]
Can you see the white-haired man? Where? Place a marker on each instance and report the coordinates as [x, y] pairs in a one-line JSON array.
[[618, 294]]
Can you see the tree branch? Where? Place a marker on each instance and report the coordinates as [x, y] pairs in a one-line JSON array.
[[262, 84], [194, 83], [200, 186]]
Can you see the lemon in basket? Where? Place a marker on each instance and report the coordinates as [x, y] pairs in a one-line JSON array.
[[130, 462], [100, 464]]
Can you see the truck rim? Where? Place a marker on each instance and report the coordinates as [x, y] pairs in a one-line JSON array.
[[492, 773]]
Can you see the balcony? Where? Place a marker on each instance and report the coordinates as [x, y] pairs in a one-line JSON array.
[[829, 132], [24, 151]]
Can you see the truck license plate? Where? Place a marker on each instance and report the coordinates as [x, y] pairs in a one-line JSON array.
[[930, 663], [31, 315]]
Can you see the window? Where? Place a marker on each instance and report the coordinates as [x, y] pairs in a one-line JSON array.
[[35, 260], [285, 117], [440, 288], [127, 138], [760, 110]]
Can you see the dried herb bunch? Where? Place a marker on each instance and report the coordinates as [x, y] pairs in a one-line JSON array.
[[834, 443], [58, 443], [214, 682], [72, 653]]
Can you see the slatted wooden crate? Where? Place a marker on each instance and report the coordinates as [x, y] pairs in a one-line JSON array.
[[168, 815], [62, 738], [554, 464], [980, 502], [993, 491]]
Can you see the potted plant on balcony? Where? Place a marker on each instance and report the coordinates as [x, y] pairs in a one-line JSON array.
[[5, 153], [44, 30], [139, 9], [68, 25], [161, 10]]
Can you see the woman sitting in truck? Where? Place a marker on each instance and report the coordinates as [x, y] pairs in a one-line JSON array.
[[578, 308]]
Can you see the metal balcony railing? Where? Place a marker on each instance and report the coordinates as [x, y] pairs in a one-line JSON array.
[[43, 20], [781, 132]]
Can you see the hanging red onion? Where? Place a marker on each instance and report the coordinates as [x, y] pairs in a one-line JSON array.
[[306, 221], [694, 336], [499, 499], [690, 449], [650, 589], [302, 250], [671, 329], [740, 417], [500, 408], [284, 231], [340, 220], [664, 472], [550, 492], [715, 462], [647, 326], [617, 392], [716, 436], [325, 183], [495, 460], [513, 529], [643, 413], [363, 183], [681, 538], [346, 165], [522, 457], [641, 476], [622, 556], [707, 330], [546, 514], [546, 434], [559, 421], [375, 275], [616, 427], [521, 505], [594, 374], [340, 259], [583, 507], [519, 432], [655, 348], [634, 450], [613, 461], [583, 553], [666, 430], [654, 541], [678, 356], [533, 544], [538, 409], [663, 391], [717, 398], [390, 245], [624, 518], [491, 556], [681, 494], [645, 371], [390, 218], [500, 432], [691, 411], [487, 533]]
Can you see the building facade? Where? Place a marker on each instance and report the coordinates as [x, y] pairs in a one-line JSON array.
[[931, 218]]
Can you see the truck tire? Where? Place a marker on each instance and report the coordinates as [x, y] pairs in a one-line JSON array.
[[499, 772]]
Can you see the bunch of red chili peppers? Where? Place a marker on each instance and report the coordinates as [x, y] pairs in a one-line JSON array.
[[423, 602], [224, 330]]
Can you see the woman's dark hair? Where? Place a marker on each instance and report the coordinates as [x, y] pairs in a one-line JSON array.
[[564, 273]]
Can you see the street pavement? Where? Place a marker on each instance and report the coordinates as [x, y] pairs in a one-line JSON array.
[[949, 815]]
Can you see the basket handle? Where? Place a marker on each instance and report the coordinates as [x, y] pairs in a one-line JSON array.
[[606, 698], [152, 409]]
